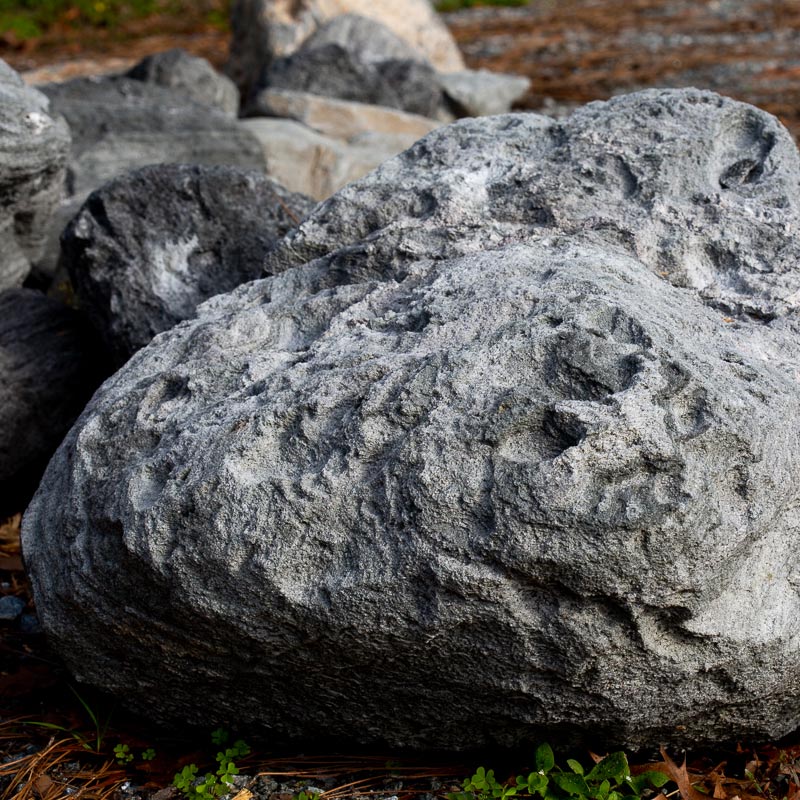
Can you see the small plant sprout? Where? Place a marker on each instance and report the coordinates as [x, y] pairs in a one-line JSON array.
[[212, 784], [122, 754], [610, 779], [149, 754]]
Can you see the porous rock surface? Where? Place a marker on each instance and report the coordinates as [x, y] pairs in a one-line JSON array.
[[119, 124], [49, 367], [510, 452], [34, 146], [147, 248], [195, 77]]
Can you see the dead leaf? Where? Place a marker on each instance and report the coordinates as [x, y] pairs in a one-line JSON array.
[[681, 776]]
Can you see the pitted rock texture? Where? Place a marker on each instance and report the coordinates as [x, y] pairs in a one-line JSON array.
[[482, 471], [700, 188], [34, 146], [195, 77], [49, 367], [264, 30], [119, 124], [149, 247]]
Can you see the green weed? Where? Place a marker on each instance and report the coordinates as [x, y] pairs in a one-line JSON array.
[[610, 779], [212, 784]]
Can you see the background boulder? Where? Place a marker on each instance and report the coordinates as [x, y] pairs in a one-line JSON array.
[[267, 29], [147, 248], [194, 76], [119, 124], [504, 449], [34, 146]]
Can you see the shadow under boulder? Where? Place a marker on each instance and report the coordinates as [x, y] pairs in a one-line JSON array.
[[50, 365]]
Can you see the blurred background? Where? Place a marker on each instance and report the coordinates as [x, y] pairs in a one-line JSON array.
[[573, 51]]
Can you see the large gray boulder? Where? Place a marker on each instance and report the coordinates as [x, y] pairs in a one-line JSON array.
[[119, 124], [505, 448], [195, 77], [34, 146], [49, 367], [147, 248]]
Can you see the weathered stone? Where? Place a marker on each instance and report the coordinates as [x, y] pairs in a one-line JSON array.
[[34, 145], [264, 30], [480, 93], [366, 39], [317, 165], [333, 71], [149, 247], [195, 77], [514, 456], [119, 124], [49, 367], [340, 118]]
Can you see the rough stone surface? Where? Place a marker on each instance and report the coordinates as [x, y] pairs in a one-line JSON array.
[[119, 124], [264, 30], [49, 367], [149, 247], [333, 71], [309, 162], [34, 146], [195, 77], [516, 455], [480, 93], [339, 118]]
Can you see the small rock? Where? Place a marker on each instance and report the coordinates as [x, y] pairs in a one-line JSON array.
[[480, 93], [11, 608]]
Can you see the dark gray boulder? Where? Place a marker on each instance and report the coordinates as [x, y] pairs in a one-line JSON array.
[[504, 449], [150, 246], [119, 124], [49, 367], [34, 146], [195, 77], [332, 70]]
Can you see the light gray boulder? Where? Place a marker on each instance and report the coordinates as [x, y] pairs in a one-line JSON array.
[[195, 77], [147, 248], [34, 146], [49, 367], [119, 124], [481, 93], [506, 448]]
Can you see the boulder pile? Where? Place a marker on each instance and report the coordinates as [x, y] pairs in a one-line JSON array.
[[505, 447]]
